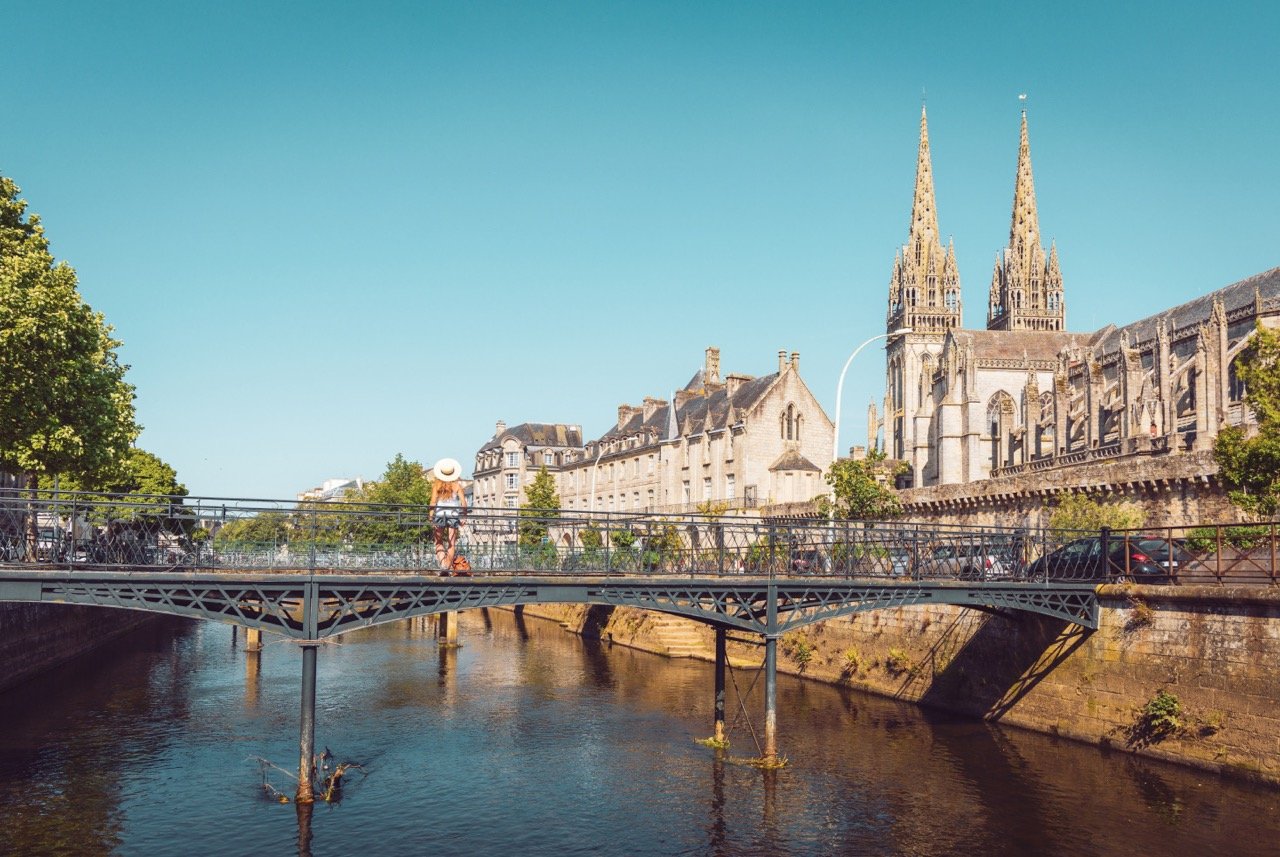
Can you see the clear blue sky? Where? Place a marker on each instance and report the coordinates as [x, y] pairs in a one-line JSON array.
[[331, 232]]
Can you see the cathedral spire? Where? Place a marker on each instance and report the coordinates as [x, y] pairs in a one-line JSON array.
[[1024, 229], [1026, 288], [924, 212], [924, 292]]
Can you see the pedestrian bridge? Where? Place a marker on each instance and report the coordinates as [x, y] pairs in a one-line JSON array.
[[314, 571], [310, 571]]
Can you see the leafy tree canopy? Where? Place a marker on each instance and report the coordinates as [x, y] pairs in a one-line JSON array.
[[541, 505], [1078, 512], [1250, 466], [67, 408], [859, 495], [403, 482]]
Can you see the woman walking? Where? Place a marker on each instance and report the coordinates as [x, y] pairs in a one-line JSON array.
[[448, 506]]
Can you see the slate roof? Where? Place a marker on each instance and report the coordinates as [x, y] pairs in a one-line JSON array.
[[538, 434], [1017, 344], [1233, 297], [710, 408]]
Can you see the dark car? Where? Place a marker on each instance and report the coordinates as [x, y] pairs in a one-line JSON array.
[[1142, 559]]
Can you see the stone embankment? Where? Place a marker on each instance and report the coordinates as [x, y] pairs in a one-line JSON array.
[[1185, 674], [35, 637]]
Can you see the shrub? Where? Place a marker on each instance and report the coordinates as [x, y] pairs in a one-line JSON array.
[[1245, 537], [897, 662], [799, 649], [1157, 720], [1078, 512], [852, 663]]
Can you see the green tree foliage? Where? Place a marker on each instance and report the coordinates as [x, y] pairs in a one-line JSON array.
[[67, 408], [404, 482], [1079, 512], [265, 528], [860, 496], [365, 518], [540, 507], [1250, 466]]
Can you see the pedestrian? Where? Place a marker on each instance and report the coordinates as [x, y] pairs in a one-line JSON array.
[[448, 506]]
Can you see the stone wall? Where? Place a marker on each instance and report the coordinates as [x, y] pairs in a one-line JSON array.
[[1172, 490], [35, 637], [1216, 650]]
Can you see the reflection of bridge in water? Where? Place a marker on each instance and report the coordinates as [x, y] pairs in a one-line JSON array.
[[314, 572]]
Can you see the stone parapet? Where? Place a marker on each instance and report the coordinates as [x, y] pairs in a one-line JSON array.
[[1177, 490]]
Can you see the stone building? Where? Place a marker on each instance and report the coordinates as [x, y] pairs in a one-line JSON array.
[[513, 456], [1026, 395], [739, 441]]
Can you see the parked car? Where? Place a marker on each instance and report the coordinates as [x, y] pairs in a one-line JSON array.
[[979, 560], [1140, 558]]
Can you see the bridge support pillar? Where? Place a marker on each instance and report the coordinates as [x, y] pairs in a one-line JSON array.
[[448, 629], [770, 700], [718, 734], [307, 738], [252, 640]]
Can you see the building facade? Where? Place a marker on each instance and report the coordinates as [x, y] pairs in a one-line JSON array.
[[513, 456], [1025, 394], [731, 442]]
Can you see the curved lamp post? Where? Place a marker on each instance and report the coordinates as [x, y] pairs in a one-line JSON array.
[[835, 442]]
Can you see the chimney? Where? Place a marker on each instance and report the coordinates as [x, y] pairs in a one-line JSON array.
[[711, 373], [499, 428], [624, 414], [651, 407], [795, 362], [782, 361], [734, 383]]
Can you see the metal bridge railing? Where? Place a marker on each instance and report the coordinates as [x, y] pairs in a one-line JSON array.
[[88, 531]]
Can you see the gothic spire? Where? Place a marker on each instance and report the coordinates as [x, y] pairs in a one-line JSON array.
[[1024, 230], [924, 212], [1026, 288], [924, 292]]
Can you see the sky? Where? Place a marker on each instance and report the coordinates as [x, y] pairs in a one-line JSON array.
[[328, 233]]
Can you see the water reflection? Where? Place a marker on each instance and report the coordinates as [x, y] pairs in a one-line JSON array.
[[528, 740]]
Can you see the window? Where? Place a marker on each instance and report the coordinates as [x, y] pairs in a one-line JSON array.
[[730, 488], [650, 498], [512, 481], [622, 502], [511, 502], [706, 488], [651, 465], [685, 486], [548, 457], [513, 459], [636, 500]]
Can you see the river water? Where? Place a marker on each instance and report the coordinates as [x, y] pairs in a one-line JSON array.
[[527, 740]]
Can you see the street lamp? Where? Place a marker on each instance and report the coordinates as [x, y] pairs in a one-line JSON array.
[[835, 441]]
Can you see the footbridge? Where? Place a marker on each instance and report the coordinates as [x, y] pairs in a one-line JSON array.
[[309, 572]]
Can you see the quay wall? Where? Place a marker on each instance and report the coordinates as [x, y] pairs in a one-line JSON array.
[[36, 637], [1215, 649]]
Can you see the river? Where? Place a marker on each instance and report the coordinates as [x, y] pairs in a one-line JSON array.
[[530, 741]]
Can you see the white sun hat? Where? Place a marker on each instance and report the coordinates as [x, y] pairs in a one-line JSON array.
[[447, 470]]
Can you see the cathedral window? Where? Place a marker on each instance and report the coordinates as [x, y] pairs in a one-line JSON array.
[[953, 299], [1055, 300], [1235, 386]]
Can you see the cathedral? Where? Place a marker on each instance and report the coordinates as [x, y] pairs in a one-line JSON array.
[[1026, 394]]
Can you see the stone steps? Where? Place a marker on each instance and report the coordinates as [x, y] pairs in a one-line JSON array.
[[676, 637]]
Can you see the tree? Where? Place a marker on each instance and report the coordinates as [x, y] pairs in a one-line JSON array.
[[1250, 466], [67, 408], [403, 483], [1076, 512], [541, 505], [859, 494]]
